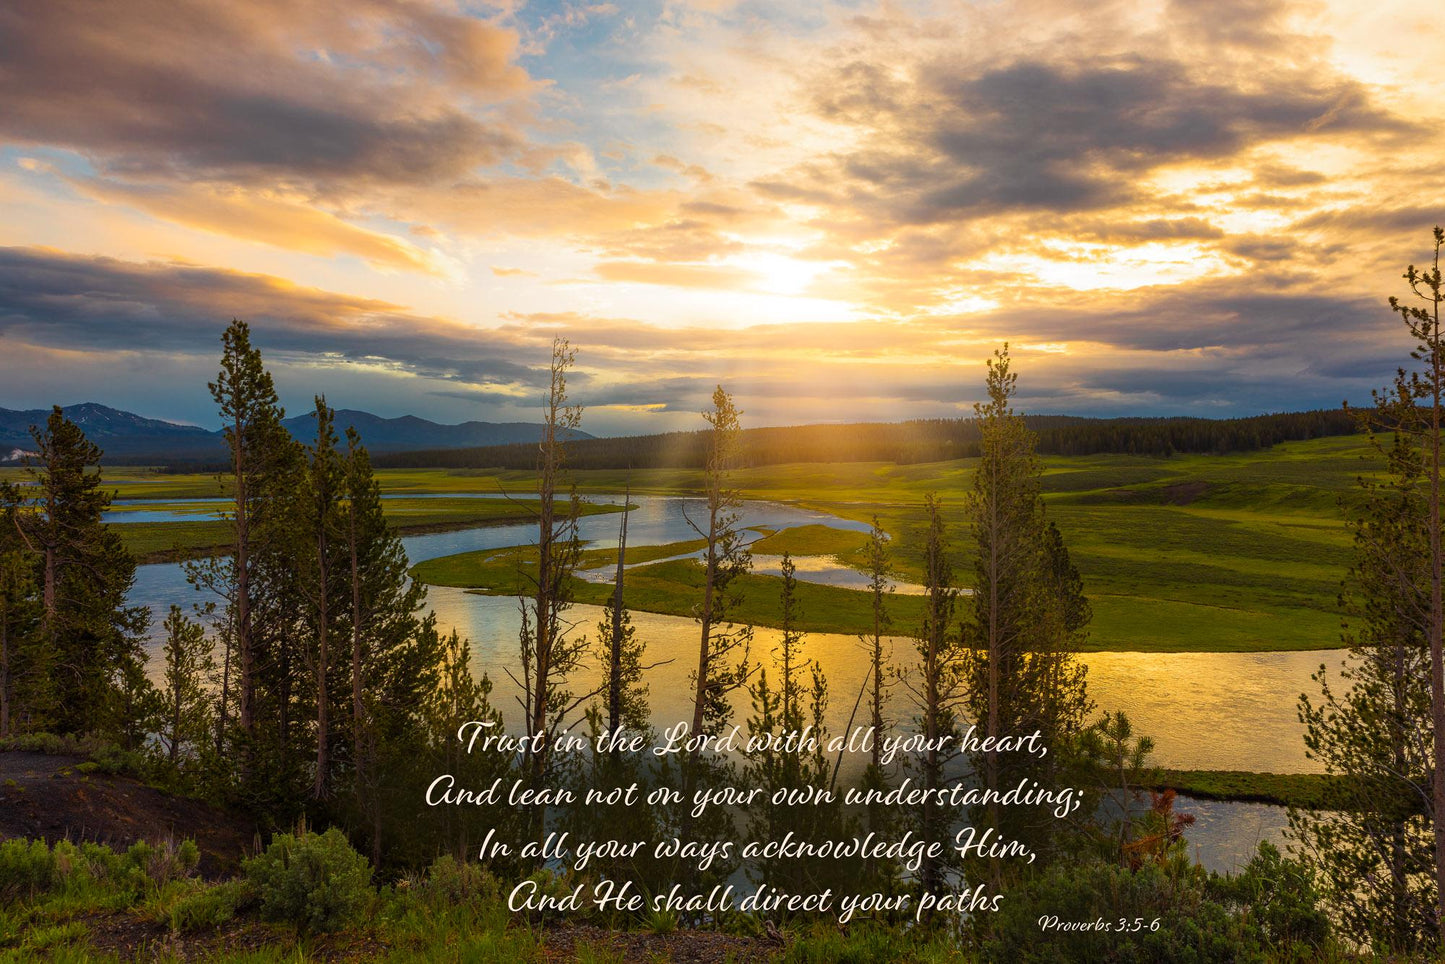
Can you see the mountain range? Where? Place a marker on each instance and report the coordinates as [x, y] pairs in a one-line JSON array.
[[127, 437]]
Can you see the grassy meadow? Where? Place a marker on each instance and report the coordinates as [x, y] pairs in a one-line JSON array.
[[1216, 553], [168, 541]]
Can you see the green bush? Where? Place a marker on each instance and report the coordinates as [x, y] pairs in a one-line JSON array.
[[1279, 895], [27, 868], [207, 908], [315, 882], [457, 881], [1192, 925]]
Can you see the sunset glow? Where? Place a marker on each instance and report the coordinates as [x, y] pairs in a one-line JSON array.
[[836, 209]]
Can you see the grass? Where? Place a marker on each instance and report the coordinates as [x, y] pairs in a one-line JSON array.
[[814, 540], [1210, 553], [451, 913], [670, 587], [1308, 791], [1232, 553], [170, 541]]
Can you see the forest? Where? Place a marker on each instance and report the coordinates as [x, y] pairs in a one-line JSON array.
[[914, 441]]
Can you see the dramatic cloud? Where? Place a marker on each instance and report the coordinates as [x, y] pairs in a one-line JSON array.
[[1163, 207], [258, 92], [59, 301]]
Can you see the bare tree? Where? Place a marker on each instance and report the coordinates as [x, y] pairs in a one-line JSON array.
[[722, 662], [550, 654]]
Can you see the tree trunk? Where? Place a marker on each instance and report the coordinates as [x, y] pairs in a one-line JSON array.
[[4, 674], [699, 705], [243, 586], [323, 631], [225, 695], [1437, 625], [614, 682]]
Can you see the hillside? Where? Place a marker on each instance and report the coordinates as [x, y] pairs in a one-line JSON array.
[[130, 439]]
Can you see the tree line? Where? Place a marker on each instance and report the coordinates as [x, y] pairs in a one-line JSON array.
[[909, 442]]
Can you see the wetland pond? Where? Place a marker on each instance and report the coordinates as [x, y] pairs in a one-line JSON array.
[[1205, 711]]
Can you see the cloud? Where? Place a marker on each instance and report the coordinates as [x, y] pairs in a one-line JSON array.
[[958, 140], [1194, 204], [678, 275], [99, 305], [259, 92], [259, 215]]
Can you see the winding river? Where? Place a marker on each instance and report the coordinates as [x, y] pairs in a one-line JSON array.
[[1208, 711]]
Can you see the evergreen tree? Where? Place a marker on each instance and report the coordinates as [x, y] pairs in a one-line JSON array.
[[1426, 389], [722, 660], [251, 417], [188, 668], [397, 657], [88, 639], [937, 688], [622, 712], [24, 680], [723, 654], [550, 656], [1376, 732], [320, 575], [459, 697], [1027, 619], [785, 761], [879, 819], [621, 652]]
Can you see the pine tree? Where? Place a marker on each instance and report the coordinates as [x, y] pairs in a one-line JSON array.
[[621, 652], [1376, 732], [937, 688], [1428, 387], [879, 819], [396, 654], [320, 576], [550, 656], [786, 762], [1027, 616], [89, 640], [722, 664], [722, 660], [188, 667], [23, 677], [459, 697], [251, 415]]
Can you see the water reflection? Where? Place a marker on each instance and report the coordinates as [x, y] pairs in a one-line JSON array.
[[1226, 834], [1225, 711], [1229, 711]]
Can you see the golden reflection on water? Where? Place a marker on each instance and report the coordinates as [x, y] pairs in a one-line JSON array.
[[1207, 711]]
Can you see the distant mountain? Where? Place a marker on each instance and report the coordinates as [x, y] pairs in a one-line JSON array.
[[126, 437], [119, 434], [409, 433]]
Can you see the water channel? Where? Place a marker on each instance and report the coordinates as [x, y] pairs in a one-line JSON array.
[[1209, 711]]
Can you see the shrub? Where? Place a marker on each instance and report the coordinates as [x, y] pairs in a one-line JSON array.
[[1280, 896], [457, 881], [166, 861], [1191, 924], [315, 882], [27, 868], [207, 908]]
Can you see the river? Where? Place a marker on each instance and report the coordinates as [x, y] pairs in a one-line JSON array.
[[1208, 711]]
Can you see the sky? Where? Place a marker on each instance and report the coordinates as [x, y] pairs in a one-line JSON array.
[[837, 211]]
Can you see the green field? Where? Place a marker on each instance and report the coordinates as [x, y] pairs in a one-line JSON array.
[[1192, 553], [168, 541], [1241, 552], [1306, 791]]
